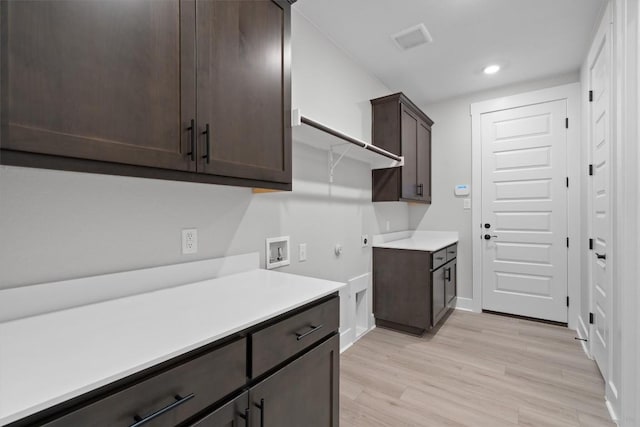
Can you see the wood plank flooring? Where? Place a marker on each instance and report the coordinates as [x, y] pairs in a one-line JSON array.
[[475, 370]]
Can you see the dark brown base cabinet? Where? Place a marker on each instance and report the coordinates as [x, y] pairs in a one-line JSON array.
[[413, 290], [400, 127], [172, 89], [297, 383]]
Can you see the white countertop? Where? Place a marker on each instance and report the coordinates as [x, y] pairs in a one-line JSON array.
[[429, 241], [50, 358]]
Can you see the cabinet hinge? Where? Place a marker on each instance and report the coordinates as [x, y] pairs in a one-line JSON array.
[[591, 318], [590, 170], [567, 182], [590, 96], [567, 242], [566, 122], [567, 301], [590, 244]]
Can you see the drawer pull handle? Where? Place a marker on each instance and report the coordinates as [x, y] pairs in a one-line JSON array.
[[299, 336], [603, 256], [261, 407], [179, 401], [439, 258]]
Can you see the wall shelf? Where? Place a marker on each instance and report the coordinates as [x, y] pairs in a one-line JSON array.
[[313, 133]]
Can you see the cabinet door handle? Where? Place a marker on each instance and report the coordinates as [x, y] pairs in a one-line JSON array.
[[447, 273], [299, 336], [207, 151], [420, 190], [245, 417], [261, 407], [603, 256], [179, 401], [192, 140]]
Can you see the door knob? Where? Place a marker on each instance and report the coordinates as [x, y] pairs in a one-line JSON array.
[[603, 256], [487, 225], [489, 236]]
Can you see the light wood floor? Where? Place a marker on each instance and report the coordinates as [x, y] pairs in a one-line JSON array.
[[476, 370]]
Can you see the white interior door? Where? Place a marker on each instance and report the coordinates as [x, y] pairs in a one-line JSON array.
[[600, 204], [524, 205]]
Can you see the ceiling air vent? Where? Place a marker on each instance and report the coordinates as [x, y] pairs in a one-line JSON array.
[[412, 37]]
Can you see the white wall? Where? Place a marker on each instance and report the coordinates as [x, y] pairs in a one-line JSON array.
[[451, 165], [60, 225]]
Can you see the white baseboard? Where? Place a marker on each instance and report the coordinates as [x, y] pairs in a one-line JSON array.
[[612, 412], [465, 304], [347, 346], [583, 333]]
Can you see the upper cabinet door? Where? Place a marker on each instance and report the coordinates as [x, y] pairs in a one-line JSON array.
[[244, 89], [424, 162], [102, 80], [409, 137]]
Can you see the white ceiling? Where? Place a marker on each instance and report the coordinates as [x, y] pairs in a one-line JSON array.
[[530, 39]]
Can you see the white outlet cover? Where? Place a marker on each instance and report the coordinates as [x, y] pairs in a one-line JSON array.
[[364, 240], [302, 252], [189, 241], [467, 203]]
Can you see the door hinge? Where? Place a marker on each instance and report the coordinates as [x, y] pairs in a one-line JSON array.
[[591, 318], [590, 170], [567, 182], [566, 122], [567, 242], [590, 244], [590, 96], [567, 301]]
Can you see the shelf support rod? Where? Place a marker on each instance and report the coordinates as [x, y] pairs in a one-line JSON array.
[[332, 164]]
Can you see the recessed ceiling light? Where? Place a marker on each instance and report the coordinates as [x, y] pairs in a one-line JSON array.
[[491, 69]]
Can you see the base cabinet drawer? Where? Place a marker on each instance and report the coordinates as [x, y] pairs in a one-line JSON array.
[[170, 397], [303, 393], [278, 342]]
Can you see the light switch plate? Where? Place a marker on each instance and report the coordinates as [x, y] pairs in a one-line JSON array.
[[467, 203], [302, 252]]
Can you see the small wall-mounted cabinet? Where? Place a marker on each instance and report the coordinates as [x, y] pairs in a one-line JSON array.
[[170, 89], [400, 127], [412, 289]]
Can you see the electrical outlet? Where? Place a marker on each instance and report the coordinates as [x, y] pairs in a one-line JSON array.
[[302, 252], [364, 240], [189, 241]]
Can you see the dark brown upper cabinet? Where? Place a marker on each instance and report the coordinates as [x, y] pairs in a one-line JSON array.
[[244, 98], [400, 127], [192, 90]]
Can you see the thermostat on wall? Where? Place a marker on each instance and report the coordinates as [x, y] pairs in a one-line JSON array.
[[461, 190]]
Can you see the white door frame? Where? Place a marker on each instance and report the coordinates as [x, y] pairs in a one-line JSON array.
[[570, 93], [626, 81]]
